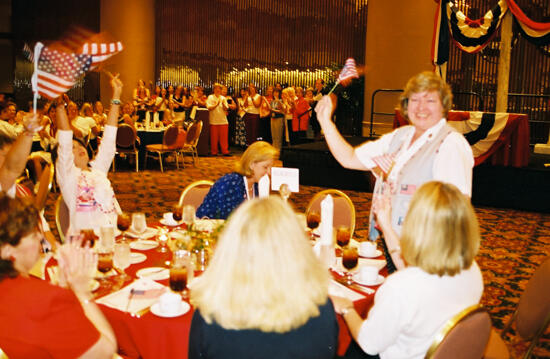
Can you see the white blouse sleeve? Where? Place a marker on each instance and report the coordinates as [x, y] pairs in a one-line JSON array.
[[454, 163], [107, 149]]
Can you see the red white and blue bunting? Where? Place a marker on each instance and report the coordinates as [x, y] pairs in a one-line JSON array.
[[473, 35]]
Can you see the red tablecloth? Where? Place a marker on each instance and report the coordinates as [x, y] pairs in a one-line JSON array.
[[150, 336], [500, 138]]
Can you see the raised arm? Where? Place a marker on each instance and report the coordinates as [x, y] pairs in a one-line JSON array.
[[116, 84], [382, 211], [16, 158], [339, 147]]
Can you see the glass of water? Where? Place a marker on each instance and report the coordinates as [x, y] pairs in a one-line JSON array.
[[121, 258], [139, 223]]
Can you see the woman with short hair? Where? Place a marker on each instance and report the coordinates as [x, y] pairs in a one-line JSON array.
[[439, 243], [264, 294], [234, 188]]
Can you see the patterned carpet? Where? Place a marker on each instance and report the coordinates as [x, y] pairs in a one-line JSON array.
[[514, 243]]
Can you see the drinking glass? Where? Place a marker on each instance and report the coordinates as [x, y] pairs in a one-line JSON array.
[[123, 222], [179, 272], [139, 223], [284, 191], [313, 219], [88, 236], [163, 237], [121, 258], [188, 215], [350, 258], [104, 260], [177, 212], [343, 236]]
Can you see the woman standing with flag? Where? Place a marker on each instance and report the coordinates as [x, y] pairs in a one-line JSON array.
[[409, 156]]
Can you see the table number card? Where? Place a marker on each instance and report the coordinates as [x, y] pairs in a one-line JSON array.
[[290, 176]]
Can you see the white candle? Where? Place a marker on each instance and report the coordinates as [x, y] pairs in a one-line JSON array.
[[327, 210]]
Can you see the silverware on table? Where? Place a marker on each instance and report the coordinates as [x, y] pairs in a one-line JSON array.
[[130, 296]]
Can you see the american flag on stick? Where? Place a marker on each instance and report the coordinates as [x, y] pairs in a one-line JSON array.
[[348, 72], [56, 72], [101, 51]]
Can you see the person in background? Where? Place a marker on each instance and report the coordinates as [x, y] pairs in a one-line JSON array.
[[318, 92], [234, 188], [86, 190], [409, 156], [178, 104], [265, 115], [217, 108], [41, 320], [99, 113], [288, 96], [240, 128], [439, 242], [86, 123], [231, 114], [199, 98], [128, 115], [8, 110], [141, 95], [278, 110], [300, 117], [264, 286], [252, 116]]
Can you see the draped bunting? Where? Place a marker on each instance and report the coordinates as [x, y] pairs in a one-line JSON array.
[[473, 35]]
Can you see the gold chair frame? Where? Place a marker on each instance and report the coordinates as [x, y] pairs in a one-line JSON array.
[[334, 192], [191, 186], [451, 324], [190, 145], [58, 203], [166, 148], [44, 185]]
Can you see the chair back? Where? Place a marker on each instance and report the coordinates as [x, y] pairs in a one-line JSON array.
[[62, 218], [170, 136], [463, 336], [193, 134], [126, 136], [344, 210], [182, 138], [44, 186], [194, 193], [533, 313]]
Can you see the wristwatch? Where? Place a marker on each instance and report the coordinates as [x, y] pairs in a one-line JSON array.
[[116, 102]]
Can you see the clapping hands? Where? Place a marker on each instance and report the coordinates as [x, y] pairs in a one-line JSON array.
[[77, 265]]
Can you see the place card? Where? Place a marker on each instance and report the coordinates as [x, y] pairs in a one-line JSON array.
[[290, 176]]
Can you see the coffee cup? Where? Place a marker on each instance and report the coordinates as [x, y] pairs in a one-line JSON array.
[[169, 303], [168, 218], [367, 248], [368, 274]]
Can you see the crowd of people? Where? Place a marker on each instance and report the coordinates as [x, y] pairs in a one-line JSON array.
[[264, 284]]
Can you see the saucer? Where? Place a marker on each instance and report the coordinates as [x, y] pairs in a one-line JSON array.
[[93, 285], [378, 280], [170, 223], [377, 253], [143, 245], [137, 257], [154, 273], [184, 308], [148, 233]]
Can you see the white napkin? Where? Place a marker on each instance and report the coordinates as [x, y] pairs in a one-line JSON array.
[[263, 186], [148, 233], [146, 293], [337, 289], [327, 210]]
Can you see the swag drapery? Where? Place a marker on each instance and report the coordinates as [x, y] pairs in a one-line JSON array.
[[473, 35]]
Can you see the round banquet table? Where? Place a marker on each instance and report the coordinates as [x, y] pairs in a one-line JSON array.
[[150, 336]]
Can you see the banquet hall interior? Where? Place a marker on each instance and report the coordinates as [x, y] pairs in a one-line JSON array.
[[501, 94]]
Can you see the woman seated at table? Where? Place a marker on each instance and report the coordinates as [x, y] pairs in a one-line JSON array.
[[86, 190], [439, 241], [234, 188], [264, 294], [40, 320]]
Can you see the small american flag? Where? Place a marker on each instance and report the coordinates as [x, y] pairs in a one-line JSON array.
[[385, 162], [349, 71], [27, 52], [56, 71], [101, 51], [407, 189]]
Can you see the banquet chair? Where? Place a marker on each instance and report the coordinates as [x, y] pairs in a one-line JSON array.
[[2, 354], [168, 146], [532, 315], [62, 218], [126, 138], [194, 193], [463, 336], [344, 210], [44, 186], [190, 146]]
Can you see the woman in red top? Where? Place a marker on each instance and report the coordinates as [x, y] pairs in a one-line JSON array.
[[300, 116], [40, 320]]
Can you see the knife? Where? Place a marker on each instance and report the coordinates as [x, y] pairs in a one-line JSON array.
[[357, 287]]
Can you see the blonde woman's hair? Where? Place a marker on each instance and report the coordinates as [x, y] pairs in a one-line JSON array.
[[259, 151], [440, 232], [426, 81], [264, 274]]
